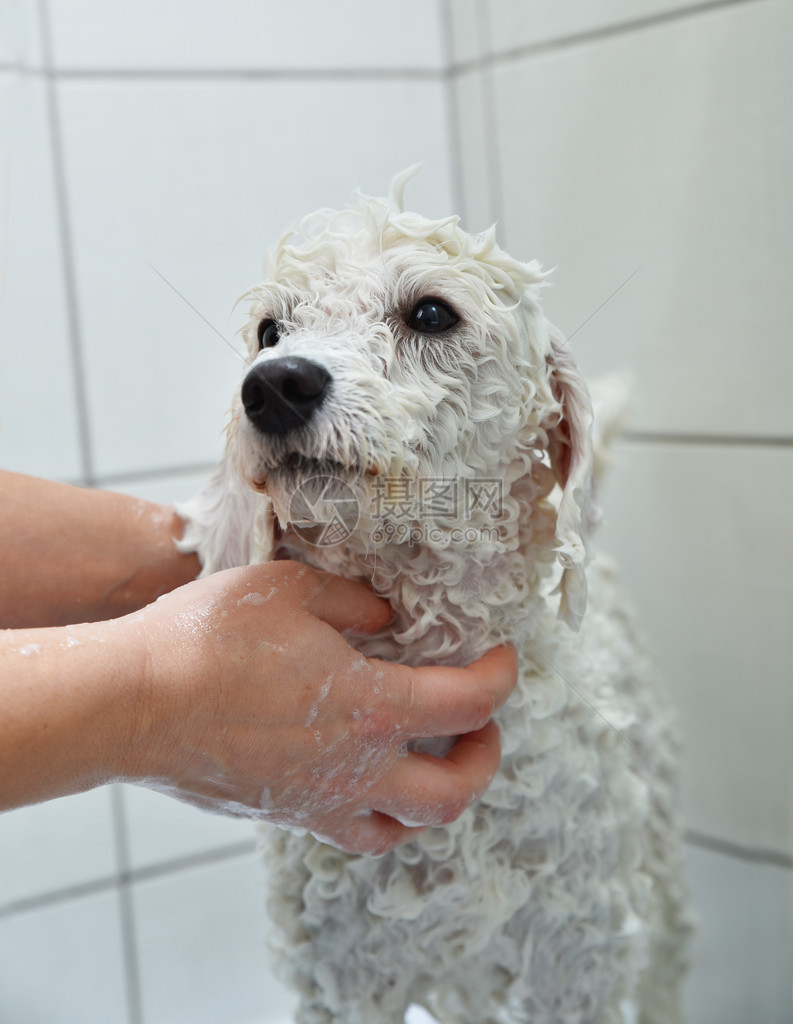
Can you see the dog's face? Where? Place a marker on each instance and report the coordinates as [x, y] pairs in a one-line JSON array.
[[384, 345]]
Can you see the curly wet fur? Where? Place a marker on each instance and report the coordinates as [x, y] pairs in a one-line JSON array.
[[557, 897]]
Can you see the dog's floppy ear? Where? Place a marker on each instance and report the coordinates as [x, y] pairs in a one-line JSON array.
[[570, 450]]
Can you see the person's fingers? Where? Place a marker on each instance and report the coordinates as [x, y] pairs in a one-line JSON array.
[[441, 701], [424, 790], [370, 833], [347, 605]]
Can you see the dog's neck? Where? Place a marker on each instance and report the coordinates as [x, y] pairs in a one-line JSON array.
[[453, 596]]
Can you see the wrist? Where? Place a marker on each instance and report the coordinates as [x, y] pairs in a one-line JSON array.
[[67, 709], [156, 565], [166, 690], [123, 697]]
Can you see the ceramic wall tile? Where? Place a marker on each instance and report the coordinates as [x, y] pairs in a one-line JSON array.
[[515, 24], [652, 170], [64, 963], [173, 210], [38, 406], [742, 953], [56, 846], [161, 829], [202, 951], [255, 35], [704, 537]]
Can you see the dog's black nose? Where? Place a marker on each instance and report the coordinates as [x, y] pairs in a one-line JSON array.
[[283, 394]]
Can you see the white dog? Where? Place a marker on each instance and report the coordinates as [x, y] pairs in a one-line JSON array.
[[414, 420]]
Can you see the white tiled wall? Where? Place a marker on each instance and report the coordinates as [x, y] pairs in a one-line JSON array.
[[744, 949], [157, 168], [64, 962], [149, 152], [202, 952], [258, 36], [39, 423], [161, 830], [682, 176], [692, 525], [61, 845], [516, 25]]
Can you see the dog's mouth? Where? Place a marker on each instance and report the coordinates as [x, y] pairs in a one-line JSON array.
[[296, 467], [317, 502]]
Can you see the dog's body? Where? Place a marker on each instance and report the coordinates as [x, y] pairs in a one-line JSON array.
[[558, 896]]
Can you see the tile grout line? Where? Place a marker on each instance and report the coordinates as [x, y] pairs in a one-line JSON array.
[[597, 35], [66, 246], [243, 848], [129, 945], [95, 887], [17, 68], [151, 872], [562, 42], [737, 851], [718, 440], [247, 74], [490, 136], [143, 475], [451, 112]]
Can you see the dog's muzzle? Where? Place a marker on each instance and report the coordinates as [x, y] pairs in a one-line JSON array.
[[284, 394]]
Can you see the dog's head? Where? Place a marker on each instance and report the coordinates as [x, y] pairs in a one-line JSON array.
[[384, 346]]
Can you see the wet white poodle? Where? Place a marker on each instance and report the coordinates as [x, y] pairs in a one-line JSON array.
[[414, 420]]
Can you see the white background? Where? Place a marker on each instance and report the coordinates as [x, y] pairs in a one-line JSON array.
[[149, 152]]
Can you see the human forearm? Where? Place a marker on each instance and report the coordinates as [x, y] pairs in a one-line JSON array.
[[71, 554], [69, 703]]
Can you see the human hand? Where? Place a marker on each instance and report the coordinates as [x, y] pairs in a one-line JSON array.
[[255, 705]]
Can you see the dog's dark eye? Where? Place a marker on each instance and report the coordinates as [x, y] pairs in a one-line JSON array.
[[431, 316], [267, 334]]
